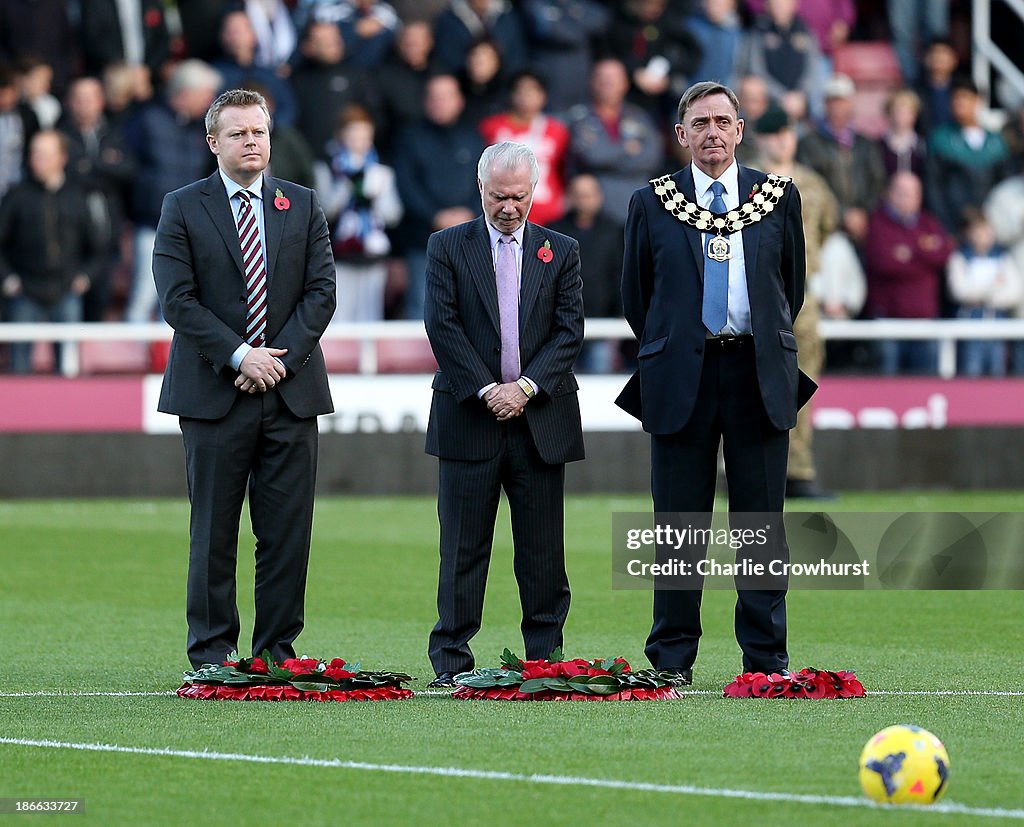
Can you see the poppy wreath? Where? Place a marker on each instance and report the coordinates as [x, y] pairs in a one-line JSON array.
[[558, 679], [293, 679], [807, 683]]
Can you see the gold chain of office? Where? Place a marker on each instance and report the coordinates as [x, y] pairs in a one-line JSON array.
[[762, 201]]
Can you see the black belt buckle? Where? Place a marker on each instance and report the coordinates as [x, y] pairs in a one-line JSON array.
[[730, 342]]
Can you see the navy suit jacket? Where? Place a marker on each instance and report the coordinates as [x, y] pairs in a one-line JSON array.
[[197, 264], [662, 291], [461, 317]]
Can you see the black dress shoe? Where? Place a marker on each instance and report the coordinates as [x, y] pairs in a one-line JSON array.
[[685, 675], [446, 680], [807, 490]]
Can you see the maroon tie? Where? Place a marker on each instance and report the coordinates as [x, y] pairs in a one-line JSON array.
[[255, 272]]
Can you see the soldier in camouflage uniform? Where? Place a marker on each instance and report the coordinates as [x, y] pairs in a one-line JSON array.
[[777, 142]]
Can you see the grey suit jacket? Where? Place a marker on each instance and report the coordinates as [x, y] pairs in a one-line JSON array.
[[461, 317], [197, 264]]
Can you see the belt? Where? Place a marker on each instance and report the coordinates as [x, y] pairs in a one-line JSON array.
[[729, 342]]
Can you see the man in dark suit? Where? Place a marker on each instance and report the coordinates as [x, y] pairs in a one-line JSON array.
[[504, 316], [712, 279], [245, 276]]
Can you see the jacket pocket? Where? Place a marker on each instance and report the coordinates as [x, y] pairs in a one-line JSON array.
[[441, 383], [787, 339], [652, 347], [566, 385]]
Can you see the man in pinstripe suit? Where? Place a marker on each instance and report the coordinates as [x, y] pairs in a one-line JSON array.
[[504, 314]]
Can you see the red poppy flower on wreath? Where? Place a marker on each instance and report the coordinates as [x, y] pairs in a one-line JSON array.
[[281, 200], [807, 683], [545, 253]]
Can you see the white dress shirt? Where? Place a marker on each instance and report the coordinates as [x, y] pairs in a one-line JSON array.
[[738, 323]]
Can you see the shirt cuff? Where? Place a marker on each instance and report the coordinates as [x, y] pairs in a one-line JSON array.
[[483, 391], [239, 355]]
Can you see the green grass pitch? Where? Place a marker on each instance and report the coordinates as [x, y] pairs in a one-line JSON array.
[[93, 601]]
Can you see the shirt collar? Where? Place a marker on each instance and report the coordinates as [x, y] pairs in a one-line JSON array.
[[730, 178], [255, 189], [497, 234]]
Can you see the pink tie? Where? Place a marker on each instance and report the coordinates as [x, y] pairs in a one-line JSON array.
[[255, 272], [508, 308]]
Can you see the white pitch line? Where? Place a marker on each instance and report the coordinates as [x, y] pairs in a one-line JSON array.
[[493, 775]]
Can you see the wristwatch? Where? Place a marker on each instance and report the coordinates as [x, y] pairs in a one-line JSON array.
[[527, 387]]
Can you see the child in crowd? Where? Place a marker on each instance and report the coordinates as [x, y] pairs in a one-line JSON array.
[[360, 200], [985, 283]]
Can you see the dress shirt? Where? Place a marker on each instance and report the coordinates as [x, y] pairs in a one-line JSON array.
[[517, 250], [255, 190], [738, 323]]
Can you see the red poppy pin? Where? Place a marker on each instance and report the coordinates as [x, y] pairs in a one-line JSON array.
[[152, 18], [280, 201], [544, 253], [753, 192]]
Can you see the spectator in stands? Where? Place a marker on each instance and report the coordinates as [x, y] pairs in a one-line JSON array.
[[482, 79], [18, 123], [40, 28], [47, 245], [435, 162], [902, 146], [526, 123], [402, 81], [1004, 209], [839, 285], [600, 241], [659, 54], [965, 160], [850, 162], [905, 256], [718, 29], [35, 80], [168, 140], [754, 97], [124, 31], [780, 49], [127, 89], [613, 140], [276, 37], [101, 165], [777, 143], [325, 82], [830, 21], [360, 201], [238, 66], [561, 35], [935, 86], [914, 23], [985, 283], [466, 21], [368, 27], [200, 26], [292, 158]]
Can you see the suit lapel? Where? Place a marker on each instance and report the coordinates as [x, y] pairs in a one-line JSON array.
[[273, 225], [684, 181], [477, 248], [215, 201], [533, 272], [747, 179]]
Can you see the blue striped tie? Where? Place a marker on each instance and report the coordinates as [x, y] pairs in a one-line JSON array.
[[715, 307]]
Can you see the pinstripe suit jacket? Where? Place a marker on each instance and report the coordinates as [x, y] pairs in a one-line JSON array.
[[461, 317]]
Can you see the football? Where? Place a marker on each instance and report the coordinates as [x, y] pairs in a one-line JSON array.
[[904, 764]]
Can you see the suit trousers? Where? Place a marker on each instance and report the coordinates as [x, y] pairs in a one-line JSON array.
[[261, 445], [684, 469], [467, 506]]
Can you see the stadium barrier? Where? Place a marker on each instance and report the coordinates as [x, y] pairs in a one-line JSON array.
[[401, 346]]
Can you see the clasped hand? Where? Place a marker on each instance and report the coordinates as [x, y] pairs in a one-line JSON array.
[[261, 369], [506, 401]]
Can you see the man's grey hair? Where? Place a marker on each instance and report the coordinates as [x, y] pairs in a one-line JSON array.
[[192, 74], [234, 97], [702, 90], [507, 155]]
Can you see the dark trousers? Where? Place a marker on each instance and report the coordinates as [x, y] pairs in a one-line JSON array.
[[261, 445], [467, 505], [684, 468]]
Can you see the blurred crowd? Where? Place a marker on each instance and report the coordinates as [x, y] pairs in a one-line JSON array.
[[916, 208]]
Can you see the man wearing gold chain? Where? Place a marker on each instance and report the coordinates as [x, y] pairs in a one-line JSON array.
[[713, 276]]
